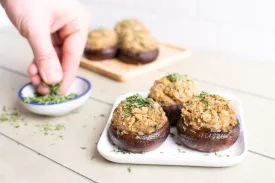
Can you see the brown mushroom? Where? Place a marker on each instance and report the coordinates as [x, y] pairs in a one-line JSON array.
[[138, 144], [138, 58], [207, 141], [101, 54]]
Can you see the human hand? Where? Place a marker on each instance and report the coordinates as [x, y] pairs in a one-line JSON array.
[[57, 32]]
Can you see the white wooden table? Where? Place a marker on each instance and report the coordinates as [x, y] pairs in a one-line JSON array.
[[27, 155]]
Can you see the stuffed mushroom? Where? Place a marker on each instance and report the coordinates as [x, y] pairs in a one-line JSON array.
[[172, 91], [138, 47], [208, 124], [138, 125], [102, 44]]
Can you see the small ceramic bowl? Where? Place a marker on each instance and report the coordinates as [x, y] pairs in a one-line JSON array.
[[80, 86]]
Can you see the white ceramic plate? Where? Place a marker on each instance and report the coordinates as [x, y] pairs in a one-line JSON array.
[[169, 153]]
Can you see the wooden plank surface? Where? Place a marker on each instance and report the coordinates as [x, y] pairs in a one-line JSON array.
[[117, 70]]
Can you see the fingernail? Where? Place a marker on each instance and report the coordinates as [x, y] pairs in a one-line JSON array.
[[51, 76]]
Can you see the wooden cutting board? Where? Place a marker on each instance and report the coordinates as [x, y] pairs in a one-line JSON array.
[[117, 70]]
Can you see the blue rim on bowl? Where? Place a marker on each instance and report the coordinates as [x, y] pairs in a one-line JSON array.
[[36, 103]]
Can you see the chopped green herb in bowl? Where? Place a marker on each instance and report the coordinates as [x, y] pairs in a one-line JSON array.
[[55, 104], [53, 98]]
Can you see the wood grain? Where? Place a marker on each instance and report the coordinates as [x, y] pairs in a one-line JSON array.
[[117, 70]]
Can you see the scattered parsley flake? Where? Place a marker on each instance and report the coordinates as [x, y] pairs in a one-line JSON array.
[[172, 134], [59, 127], [83, 148], [4, 117], [117, 151], [92, 158], [48, 128], [118, 133], [102, 115], [13, 117], [181, 151], [129, 169], [217, 154]]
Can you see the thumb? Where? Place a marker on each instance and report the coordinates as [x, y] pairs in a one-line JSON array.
[[45, 56]]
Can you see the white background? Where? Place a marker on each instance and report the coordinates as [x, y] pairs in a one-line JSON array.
[[244, 28]]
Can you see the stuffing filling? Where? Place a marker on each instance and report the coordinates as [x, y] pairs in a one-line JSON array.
[[101, 38], [138, 41], [209, 113], [174, 89], [139, 116]]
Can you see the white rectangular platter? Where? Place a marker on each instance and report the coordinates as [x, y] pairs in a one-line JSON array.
[[170, 153]]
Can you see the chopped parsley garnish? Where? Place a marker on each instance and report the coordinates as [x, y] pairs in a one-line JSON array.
[[83, 148], [55, 89], [217, 154], [59, 127], [121, 151], [176, 77], [203, 94], [172, 135], [137, 101], [11, 116], [181, 151], [129, 169], [4, 117], [102, 115], [118, 133], [49, 99], [52, 98], [117, 151], [48, 128]]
